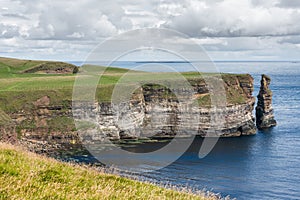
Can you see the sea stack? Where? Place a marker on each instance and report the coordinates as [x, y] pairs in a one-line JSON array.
[[264, 111]]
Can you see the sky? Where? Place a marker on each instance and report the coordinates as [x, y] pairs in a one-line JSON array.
[[226, 29]]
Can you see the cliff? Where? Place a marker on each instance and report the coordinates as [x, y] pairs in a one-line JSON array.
[[150, 112], [39, 107], [264, 110]]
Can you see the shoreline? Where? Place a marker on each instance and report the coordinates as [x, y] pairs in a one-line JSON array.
[[22, 156]]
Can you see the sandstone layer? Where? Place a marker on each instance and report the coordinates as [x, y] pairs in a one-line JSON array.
[[151, 112], [264, 110]]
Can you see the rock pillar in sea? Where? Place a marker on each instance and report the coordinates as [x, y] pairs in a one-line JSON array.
[[264, 111]]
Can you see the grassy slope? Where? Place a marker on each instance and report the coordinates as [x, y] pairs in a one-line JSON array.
[[15, 67], [25, 175]]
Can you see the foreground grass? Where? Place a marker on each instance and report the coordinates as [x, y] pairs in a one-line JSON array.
[[25, 175]]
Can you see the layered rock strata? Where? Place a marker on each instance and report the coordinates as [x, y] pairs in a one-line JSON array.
[[264, 110], [153, 111]]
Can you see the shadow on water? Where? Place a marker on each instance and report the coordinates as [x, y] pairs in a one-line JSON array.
[[232, 167], [232, 163], [263, 166]]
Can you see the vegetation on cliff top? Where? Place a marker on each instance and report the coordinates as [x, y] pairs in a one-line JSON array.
[[19, 90], [25, 175], [10, 68]]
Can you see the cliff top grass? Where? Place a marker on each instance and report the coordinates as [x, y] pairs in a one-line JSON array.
[[24, 175], [11, 68], [20, 85]]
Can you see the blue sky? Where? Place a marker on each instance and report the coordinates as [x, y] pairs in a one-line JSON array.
[[227, 29]]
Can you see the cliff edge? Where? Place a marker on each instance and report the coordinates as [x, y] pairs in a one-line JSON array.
[[39, 107]]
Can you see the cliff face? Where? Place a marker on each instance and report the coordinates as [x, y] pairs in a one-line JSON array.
[[264, 110], [152, 112]]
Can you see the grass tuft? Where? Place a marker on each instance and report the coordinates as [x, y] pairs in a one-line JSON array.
[[24, 175]]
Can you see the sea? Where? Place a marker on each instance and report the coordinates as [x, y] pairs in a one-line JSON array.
[[262, 166]]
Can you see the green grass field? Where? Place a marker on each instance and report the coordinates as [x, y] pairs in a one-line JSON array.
[[25, 175], [17, 89]]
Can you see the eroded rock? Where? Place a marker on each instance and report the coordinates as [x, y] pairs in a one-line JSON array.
[[264, 110]]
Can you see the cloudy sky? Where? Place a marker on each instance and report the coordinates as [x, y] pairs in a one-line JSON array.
[[227, 29]]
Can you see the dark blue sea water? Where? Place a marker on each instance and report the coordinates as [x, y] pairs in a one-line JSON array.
[[264, 166]]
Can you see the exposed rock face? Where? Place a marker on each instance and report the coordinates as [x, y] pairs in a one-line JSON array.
[[264, 111], [150, 112], [53, 68]]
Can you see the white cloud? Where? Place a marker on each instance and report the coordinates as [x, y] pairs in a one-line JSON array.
[[289, 3], [233, 18], [226, 28], [290, 40], [9, 31]]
